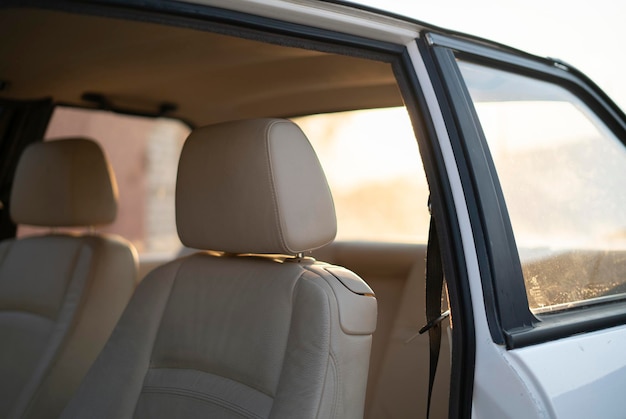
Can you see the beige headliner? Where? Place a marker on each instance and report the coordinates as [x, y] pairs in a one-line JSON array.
[[210, 77]]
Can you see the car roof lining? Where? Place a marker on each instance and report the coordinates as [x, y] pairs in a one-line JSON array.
[[208, 76]]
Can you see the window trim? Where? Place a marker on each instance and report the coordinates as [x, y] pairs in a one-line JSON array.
[[510, 320], [444, 211]]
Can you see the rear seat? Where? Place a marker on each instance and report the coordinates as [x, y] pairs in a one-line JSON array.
[[60, 294], [398, 375]]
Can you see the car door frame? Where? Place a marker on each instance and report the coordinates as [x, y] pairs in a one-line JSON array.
[[503, 320], [510, 320]]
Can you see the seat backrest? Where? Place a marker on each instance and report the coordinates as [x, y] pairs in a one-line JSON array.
[[248, 328], [60, 294], [400, 361]]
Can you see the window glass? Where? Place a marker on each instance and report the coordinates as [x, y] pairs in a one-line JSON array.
[[370, 158], [563, 175], [144, 155], [372, 164]]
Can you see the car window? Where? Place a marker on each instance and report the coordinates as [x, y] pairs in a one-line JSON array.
[[372, 164], [563, 175], [370, 158], [146, 190]]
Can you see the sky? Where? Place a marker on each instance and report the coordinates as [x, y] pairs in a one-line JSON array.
[[590, 35]]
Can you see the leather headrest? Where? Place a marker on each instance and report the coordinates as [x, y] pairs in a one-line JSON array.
[[64, 183], [253, 186]]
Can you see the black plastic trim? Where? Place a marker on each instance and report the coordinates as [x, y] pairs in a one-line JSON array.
[[504, 289], [444, 211], [568, 323], [495, 243], [450, 119]]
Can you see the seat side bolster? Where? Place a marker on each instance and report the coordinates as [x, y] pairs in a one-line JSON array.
[[307, 355], [350, 351], [347, 360], [112, 386]]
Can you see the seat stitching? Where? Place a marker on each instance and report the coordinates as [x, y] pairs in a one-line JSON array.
[[332, 361], [156, 334], [209, 398], [25, 313], [329, 358]]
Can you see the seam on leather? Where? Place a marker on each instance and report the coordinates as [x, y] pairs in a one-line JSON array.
[[281, 235], [338, 394], [294, 291], [26, 314], [163, 310], [158, 329], [307, 270], [68, 310], [333, 361], [203, 397], [71, 282], [91, 243]]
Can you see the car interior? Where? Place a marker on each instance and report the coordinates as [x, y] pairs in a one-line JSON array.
[[248, 305]]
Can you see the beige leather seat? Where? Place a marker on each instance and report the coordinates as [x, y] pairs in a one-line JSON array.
[[60, 294], [237, 334]]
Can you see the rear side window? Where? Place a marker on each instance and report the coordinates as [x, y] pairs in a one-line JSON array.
[[372, 163], [563, 175], [144, 155]]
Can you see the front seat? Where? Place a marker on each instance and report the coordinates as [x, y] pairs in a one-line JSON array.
[[60, 294], [249, 328]]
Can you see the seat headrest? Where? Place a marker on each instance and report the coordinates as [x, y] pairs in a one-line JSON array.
[[253, 186], [64, 183]]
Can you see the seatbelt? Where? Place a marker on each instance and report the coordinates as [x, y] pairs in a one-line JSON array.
[[434, 317]]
